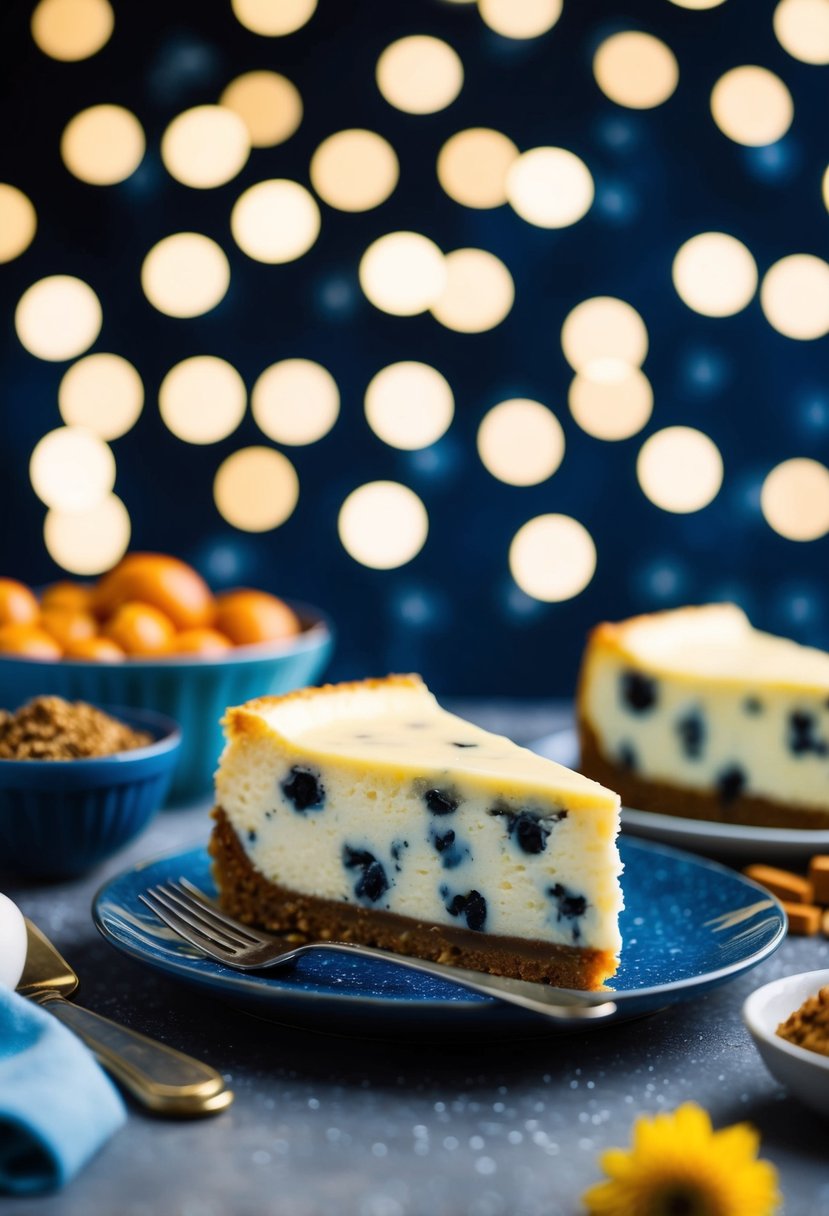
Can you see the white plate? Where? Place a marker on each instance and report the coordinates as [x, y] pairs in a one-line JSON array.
[[698, 835], [804, 1073]]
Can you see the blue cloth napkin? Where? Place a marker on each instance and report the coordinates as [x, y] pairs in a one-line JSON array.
[[56, 1105]]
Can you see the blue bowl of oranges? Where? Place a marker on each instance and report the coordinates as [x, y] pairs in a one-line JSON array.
[[151, 634]]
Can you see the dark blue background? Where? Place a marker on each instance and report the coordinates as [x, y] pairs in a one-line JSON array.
[[661, 176]]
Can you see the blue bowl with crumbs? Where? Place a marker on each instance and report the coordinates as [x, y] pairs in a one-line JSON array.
[[60, 818]]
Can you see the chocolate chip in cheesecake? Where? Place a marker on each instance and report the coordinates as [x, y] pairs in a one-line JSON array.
[[801, 737], [730, 783], [304, 790], [529, 829], [471, 906], [441, 802], [443, 840], [372, 882], [626, 757], [570, 906], [691, 731], [639, 693], [397, 853], [464, 744], [452, 852], [753, 705]]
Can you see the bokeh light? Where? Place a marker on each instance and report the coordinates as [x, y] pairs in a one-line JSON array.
[[611, 400], [103, 145], [752, 106], [636, 70], [795, 499], [478, 292], [205, 146], [680, 469], [58, 317], [419, 74], [521, 442], [185, 274], [802, 29], [88, 542], [354, 170], [202, 399], [18, 222], [72, 469], [409, 405], [273, 18], [72, 29], [794, 296], [103, 393], [268, 104], [256, 489], [383, 525], [473, 165], [520, 18], [603, 328], [698, 4], [403, 273], [552, 558], [295, 401], [825, 187], [550, 187], [715, 274], [275, 221]]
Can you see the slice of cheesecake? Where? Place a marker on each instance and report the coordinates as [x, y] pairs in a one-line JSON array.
[[694, 712], [364, 812]]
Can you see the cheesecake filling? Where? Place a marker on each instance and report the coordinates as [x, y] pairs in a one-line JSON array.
[[371, 813], [735, 739]]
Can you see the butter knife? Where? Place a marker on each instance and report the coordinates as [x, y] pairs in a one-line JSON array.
[[162, 1079]]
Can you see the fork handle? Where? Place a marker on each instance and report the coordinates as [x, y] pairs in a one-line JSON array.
[[553, 1003], [164, 1080]]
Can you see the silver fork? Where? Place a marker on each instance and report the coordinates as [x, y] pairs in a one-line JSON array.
[[189, 913]]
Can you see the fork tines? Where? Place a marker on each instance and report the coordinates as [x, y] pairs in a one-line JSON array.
[[187, 911]]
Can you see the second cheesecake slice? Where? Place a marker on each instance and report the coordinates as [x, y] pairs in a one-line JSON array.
[[365, 812]]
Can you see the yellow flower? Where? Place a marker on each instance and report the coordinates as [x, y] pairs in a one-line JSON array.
[[679, 1166]]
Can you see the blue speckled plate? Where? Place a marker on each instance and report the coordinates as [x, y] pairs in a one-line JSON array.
[[688, 924]]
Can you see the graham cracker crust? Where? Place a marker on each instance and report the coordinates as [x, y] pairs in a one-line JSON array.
[[665, 799], [255, 900]]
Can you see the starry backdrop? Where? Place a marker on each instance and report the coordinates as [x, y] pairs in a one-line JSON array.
[[673, 449]]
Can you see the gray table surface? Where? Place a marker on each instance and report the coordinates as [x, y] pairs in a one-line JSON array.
[[327, 1126]]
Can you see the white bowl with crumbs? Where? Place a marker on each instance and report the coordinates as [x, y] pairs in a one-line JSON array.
[[804, 1072]]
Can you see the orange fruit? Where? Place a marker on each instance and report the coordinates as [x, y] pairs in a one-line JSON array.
[[247, 617], [140, 629], [72, 597], [18, 606], [165, 583], [66, 625], [200, 641], [28, 640], [95, 650]]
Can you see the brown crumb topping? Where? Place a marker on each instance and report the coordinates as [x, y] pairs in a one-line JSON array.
[[808, 1026], [49, 728]]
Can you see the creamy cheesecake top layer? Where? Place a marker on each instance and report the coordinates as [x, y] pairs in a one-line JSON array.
[[397, 726], [715, 642]]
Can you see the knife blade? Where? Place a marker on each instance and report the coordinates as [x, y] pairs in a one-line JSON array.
[[162, 1079]]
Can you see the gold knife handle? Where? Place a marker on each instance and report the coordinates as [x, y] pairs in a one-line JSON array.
[[162, 1079]]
